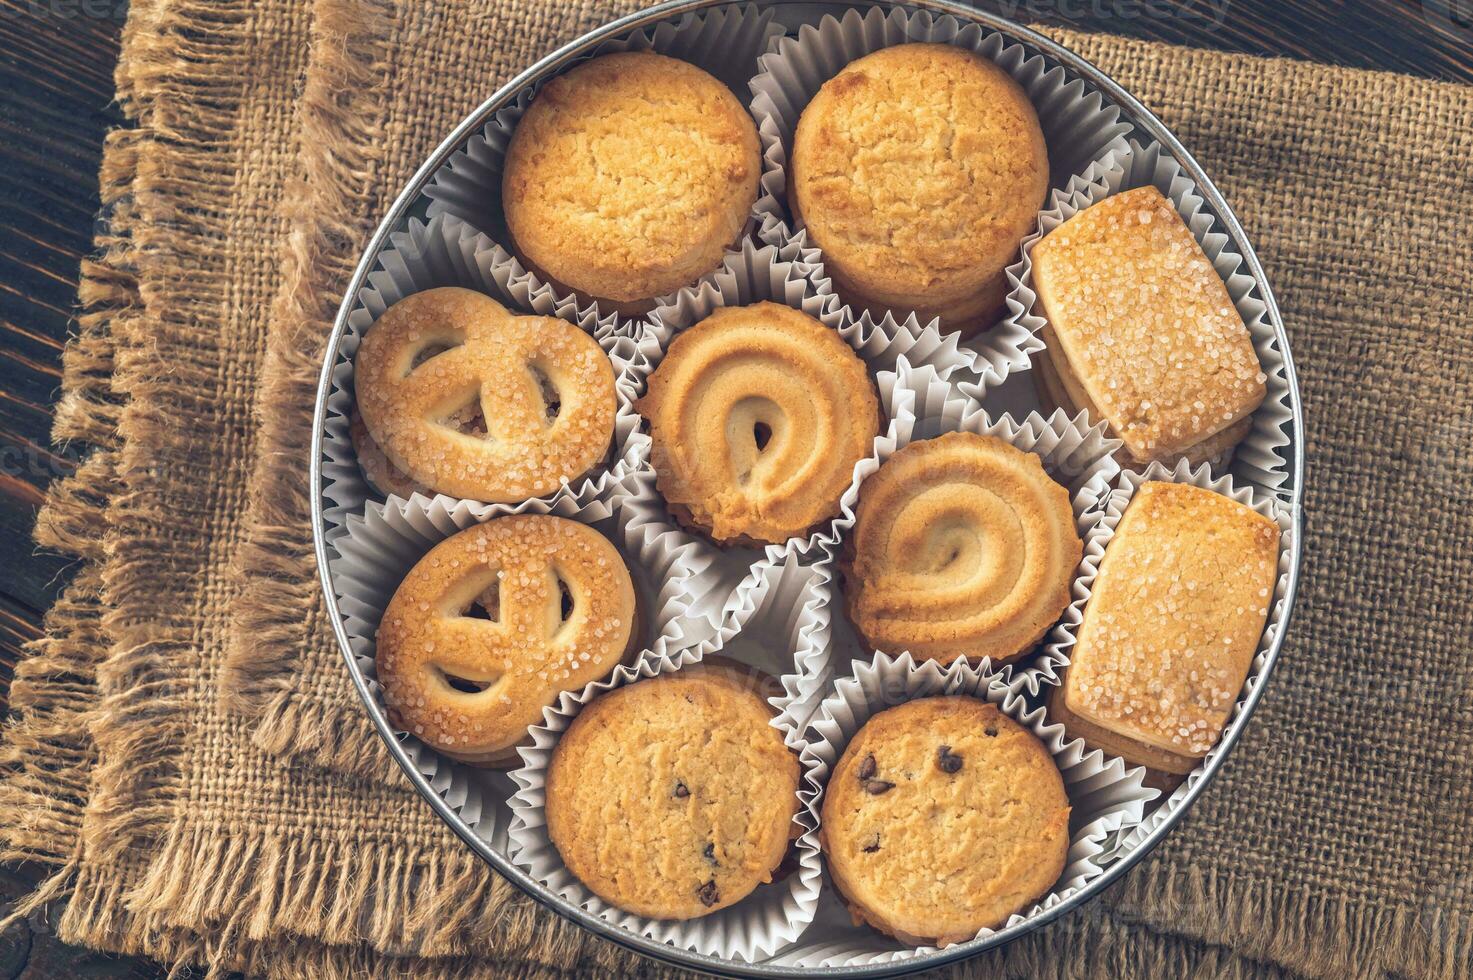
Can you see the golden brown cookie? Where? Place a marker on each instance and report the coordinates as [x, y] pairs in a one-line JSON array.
[[629, 176], [918, 169], [758, 415], [490, 626], [1142, 332], [962, 546], [1171, 628], [943, 817], [673, 797], [465, 398]]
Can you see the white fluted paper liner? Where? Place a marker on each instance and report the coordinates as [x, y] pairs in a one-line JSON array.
[[1073, 452], [448, 252], [771, 917], [379, 547], [780, 621], [724, 42], [1079, 127], [1106, 796], [791, 273], [1111, 507], [1260, 457]]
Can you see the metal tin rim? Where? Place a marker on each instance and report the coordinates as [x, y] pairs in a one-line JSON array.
[[1143, 119]]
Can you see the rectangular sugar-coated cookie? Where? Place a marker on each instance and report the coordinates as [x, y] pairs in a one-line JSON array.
[[1171, 627], [1141, 331]]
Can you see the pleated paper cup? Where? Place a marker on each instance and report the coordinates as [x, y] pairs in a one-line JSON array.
[[1261, 458], [773, 916], [1079, 127], [1074, 453], [1112, 504], [448, 252], [1107, 798], [791, 273], [780, 620], [378, 548], [723, 41]]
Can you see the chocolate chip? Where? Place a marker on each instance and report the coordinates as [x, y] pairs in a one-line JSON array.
[[708, 894], [991, 731], [947, 760], [873, 845], [710, 853], [867, 767], [680, 791], [874, 787]]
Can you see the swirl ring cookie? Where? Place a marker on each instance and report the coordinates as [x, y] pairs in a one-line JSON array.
[[465, 398], [918, 169], [758, 415], [944, 817], [629, 176], [673, 797], [490, 626], [962, 546]]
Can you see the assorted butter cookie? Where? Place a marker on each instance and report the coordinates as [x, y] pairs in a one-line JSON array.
[[629, 177], [1171, 627], [673, 797], [943, 817], [1141, 331], [493, 623], [758, 416], [463, 397], [917, 170], [962, 547]]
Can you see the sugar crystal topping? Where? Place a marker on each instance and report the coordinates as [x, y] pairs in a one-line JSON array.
[[1146, 323], [1174, 617]]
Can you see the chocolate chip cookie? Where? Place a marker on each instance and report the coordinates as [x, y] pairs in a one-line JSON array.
[[944, 817]]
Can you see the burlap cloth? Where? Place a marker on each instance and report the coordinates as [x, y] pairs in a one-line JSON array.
[[187, 752]]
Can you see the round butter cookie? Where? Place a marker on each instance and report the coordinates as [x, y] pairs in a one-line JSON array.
[[917, 170], [463, 397], [758, 415], [962, 547], [496, 621], [943, 817], [673, 797], [629, 176]]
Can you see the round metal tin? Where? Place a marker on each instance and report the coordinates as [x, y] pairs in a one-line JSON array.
[[403, 206]]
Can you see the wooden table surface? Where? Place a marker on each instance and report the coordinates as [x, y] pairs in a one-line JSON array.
[[56, 89]]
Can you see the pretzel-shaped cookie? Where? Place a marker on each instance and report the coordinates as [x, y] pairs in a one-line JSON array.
[[490, 626], [758, 415], [470, 400], [962, 546]]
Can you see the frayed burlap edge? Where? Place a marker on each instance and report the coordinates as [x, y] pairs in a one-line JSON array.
[[279, 603], [248, 884]]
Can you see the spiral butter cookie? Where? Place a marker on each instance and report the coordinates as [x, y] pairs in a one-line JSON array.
[[962, 546], [673, 797], [465, 398], [917, 169], [490, 626], [629, 176], [943, 817], [758, 415]]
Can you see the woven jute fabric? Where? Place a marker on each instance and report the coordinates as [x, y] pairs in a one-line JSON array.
[[186, 750]]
